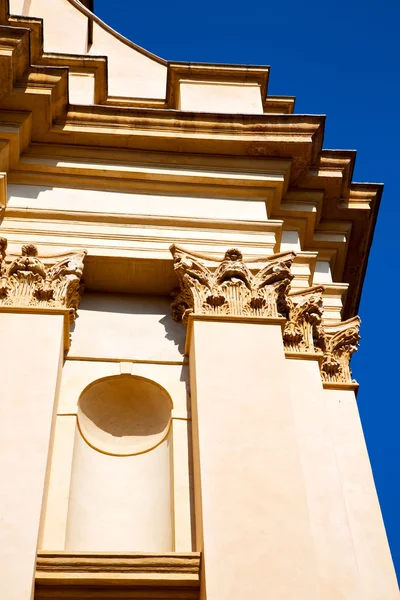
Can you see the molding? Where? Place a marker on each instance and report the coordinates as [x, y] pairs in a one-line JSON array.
[[109, 568], [127, 360], [351, 386], [180, 72], [35, 88], [304, 356]]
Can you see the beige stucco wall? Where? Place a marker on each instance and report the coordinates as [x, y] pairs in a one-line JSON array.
[[365, 519], [29, 374], [334, 549], [221, 97], [136, 336], [131, 73], [127, 327], [120, 503], [255, 530], [120, 203], [60, 18]]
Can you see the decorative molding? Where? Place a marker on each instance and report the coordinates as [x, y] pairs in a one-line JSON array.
[[303, 331], [339, 342], [234, 292], [231, 289], [112, 575], [26, 281], [349, 387]]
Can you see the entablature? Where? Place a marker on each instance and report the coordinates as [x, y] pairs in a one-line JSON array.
[[47, 140]]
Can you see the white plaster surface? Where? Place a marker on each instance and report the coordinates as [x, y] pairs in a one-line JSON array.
[[322, 273], [220, 97], [78, 374], [367, 528], [71, 199], [120, 503], [129, 327], [55, 516], [334, 550], [29, 375], [130, 72], [80, 88], [255, 529]]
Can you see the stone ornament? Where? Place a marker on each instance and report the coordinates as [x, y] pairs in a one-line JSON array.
[[232, 288], [339, 342], [27, 281], [303, 329]]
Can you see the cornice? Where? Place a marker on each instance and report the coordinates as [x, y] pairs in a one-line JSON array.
[[34, 107]]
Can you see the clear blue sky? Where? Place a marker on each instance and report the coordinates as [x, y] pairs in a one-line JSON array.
[[340, 59]]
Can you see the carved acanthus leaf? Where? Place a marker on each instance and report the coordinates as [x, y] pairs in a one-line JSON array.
[[339, 342], [232, 288], [27, 281], [304, 316]]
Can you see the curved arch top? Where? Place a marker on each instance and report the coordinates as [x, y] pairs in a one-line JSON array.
[[123, 415], [133, 72]]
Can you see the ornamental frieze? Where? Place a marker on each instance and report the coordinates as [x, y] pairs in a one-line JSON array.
[[232, 288], [25, 281]]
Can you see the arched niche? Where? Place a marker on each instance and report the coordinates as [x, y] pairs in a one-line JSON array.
[[120, 495]]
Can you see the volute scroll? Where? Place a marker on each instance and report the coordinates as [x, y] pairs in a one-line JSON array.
[[27, 281], [232, 288]]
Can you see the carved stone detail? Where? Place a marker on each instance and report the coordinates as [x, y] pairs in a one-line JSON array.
[[302, 330], [339, 342], [27, 281], [232, 288]]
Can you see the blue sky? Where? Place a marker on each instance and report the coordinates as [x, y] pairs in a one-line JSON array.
[[340, 59]]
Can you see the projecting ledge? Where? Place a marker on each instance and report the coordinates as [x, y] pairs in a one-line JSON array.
[[114, 568], [338, 385]]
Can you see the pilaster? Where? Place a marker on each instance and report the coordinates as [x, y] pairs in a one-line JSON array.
[[38, 300], [252, 521], [260, 357]]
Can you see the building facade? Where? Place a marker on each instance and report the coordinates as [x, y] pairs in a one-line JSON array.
[[180, 270]]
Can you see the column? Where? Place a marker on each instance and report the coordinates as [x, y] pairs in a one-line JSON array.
[[252, 520], [37, 301]]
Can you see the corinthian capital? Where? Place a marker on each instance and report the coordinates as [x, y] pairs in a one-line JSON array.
[[26, 281], [231, 288], [339, 342], [304, 316]]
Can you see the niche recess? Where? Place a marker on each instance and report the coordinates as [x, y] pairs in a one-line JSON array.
[[120, 496]]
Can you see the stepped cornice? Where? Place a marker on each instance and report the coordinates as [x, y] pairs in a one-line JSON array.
[[315, 196]]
